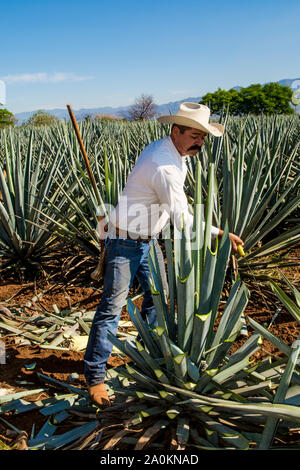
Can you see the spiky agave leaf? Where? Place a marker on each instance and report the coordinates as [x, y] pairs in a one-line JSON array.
[[292, 307]]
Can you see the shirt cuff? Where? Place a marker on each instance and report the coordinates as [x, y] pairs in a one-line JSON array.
[[214, 231]]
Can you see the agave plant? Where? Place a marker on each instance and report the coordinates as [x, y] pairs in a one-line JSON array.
[[293, 307], [187, 371], [291, 394], [25, 236]]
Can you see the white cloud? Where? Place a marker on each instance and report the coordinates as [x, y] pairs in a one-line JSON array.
[[43, 77]]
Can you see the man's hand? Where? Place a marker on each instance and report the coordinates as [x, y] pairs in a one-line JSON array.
[[235, 240]]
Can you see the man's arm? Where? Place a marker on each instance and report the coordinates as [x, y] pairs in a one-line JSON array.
[[168, 187], [167, 183], [235, 240]]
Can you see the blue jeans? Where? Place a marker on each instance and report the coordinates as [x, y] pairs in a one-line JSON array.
[[124, 259]]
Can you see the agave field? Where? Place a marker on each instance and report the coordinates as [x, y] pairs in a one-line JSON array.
[[214, 373]]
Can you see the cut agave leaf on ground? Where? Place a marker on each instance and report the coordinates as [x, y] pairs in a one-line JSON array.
[[56, 442], [17, 395]]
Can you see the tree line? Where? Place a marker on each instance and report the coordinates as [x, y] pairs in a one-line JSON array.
[[271, 98]]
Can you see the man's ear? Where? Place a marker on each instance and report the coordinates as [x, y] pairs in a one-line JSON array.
[[175, 131]]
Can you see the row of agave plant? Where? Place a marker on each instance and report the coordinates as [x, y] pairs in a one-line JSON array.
[[47, 196], [258, 175], [185, 367]]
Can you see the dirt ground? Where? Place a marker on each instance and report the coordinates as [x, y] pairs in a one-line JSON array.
[[60, 364]]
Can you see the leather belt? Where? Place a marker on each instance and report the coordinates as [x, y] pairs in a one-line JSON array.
[[125, 234]]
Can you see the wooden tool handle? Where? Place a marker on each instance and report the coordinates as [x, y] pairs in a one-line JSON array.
[[83, 151]]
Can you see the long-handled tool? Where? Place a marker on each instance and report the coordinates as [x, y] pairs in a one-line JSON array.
[[97, 274]]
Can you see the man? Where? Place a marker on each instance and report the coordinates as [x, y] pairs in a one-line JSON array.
[[153, 194]]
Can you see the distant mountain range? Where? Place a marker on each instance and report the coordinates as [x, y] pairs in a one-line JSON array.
[[167, 108]]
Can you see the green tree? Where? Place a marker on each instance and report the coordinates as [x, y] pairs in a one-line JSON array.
[[271, 98], [222, 99], [41, 118], [279, 97], [7, 118]]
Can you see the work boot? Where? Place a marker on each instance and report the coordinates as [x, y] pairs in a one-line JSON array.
[[98, 395]]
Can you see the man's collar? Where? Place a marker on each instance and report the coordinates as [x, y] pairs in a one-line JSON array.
[[180, 158]]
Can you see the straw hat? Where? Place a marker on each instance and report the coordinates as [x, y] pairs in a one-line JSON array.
[[196, 116]]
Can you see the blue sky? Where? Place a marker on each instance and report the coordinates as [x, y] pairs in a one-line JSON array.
[[106, 53]]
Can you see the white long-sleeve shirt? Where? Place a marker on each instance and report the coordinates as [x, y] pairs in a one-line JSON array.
[[154, 193]]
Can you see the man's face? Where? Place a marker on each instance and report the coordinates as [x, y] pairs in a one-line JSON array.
[[189, 142]]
